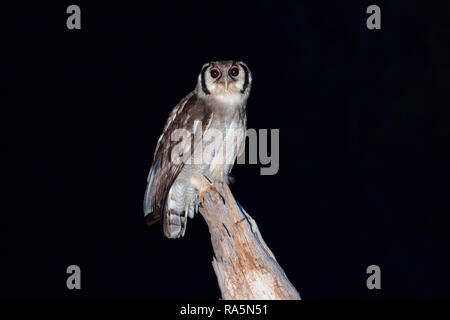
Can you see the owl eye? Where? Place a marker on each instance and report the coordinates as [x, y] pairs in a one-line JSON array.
[[234, 71], [215, 72]]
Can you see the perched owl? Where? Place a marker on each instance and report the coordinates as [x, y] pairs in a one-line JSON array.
[[176, 184]]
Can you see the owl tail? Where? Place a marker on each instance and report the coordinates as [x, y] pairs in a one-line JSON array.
[[175, 218], [174, 224]]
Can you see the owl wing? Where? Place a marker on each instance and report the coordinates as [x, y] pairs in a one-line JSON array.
[[164, 171]]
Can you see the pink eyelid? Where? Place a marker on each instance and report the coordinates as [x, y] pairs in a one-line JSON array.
[[215, 68], [233, 68]]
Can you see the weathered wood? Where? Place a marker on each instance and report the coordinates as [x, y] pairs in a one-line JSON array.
[[245, 267]]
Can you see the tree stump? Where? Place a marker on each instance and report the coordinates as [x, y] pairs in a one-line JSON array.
[[245, 267]]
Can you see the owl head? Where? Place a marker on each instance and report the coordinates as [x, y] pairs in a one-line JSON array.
[[224, 79]]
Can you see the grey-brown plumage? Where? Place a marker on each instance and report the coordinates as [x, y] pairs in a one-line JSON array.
[[210, 122]]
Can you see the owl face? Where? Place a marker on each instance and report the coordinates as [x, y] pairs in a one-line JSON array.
[[224, 78]]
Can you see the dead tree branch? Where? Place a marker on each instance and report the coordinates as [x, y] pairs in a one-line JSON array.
[[244, 265]]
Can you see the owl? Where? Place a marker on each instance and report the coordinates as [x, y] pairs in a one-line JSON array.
[[210, 122]]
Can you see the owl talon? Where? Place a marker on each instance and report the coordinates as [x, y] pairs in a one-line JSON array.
[[211, 189], [207, 179]]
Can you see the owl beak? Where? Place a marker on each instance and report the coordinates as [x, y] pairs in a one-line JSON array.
[[225, 78]]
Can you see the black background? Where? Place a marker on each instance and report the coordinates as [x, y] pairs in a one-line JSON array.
[[363, 121]]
